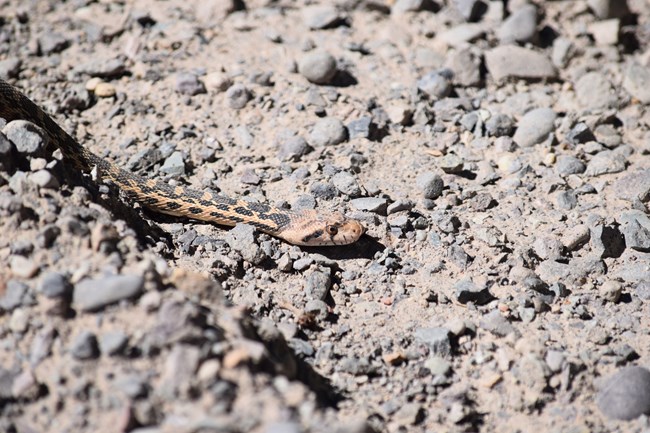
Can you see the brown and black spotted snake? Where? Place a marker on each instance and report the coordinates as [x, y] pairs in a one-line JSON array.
[[303, 227]]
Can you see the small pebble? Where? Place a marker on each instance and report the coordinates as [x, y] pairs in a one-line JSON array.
[[94, 294], [318, 67], [430, 185], [238, 96], [327, 131], [28, 138], [534, 127], [84, 346], [188, 84]]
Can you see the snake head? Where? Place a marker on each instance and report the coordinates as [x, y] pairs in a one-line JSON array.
[[320, 229]]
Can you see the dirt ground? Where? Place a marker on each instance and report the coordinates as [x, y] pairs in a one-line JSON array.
[[496, 153]]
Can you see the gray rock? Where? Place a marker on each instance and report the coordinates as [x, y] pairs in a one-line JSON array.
[[471, 10], [399, 205], [435, 339], [55, 285], [636, 229], [249, 177], [242, 239], [606, 162], [85, 346], [567, 165], [318, 67], [402, 6], [189, 84], [495, 323], [238, 96], [113, 343], [174, 165], [607, 241], [611, 291], [595, 92], [435, 85], [132, 386], [482, 202], [466, 291], [608, 136], [304, 201], [318, 308], [10, 68], [346, 183], [642, 290], [637, 82], [626, 394], [318, 285], [548, 247], [579, 134], [555, 360], [16, 295], [41, 347], [293, 148], [562, 52], [103, 68], [520, 27], [318, 17], [28, 138], [283, 427], [179, 371], [510, 61], [534, 127], [370, 204], [605, 9], [566, 199], [44, 179], [302, 264], [324, 190], [451, 163], [500, 125], [328, 131], [430, 185], [437, 365], [466, 66], [91, 295], [634, 186], [360, 128], [52, 42], [462, 34]]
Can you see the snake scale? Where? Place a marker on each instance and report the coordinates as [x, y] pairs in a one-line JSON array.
[[305, 227]]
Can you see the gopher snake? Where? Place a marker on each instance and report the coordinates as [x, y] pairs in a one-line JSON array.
[[305, 227]]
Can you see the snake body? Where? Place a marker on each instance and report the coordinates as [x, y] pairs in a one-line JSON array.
[[305, 227]]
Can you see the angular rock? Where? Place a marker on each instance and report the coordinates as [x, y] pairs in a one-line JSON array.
[[515, 62]]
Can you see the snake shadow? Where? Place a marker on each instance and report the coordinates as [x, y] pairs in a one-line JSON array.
[[365, 248]]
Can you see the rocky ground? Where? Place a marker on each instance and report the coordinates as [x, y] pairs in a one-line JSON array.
[[497, 153]]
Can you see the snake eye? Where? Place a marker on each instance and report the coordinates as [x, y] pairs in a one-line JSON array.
[[332, 230]]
